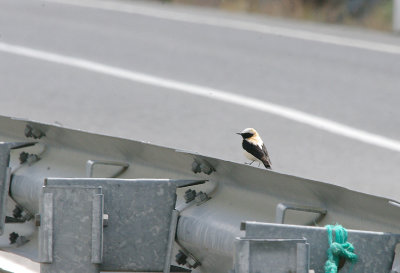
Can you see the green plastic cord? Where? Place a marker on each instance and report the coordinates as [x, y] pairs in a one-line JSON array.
[[339, 248]]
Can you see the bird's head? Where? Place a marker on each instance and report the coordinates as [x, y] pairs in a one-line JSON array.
[[248, 133]]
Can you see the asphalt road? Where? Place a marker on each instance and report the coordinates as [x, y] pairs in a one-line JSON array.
[[352, 83]]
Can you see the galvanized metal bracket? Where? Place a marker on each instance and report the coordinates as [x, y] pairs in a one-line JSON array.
[[375, 260], [277, 255], [91, 163], [141, 221], [5, 174], [396, 260], [71, 229], [281, 209]]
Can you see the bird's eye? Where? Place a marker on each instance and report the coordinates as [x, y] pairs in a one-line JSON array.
[[247, 135]]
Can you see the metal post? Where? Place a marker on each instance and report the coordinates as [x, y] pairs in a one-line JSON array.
[[171, 240], [5, 173], [70, 233]]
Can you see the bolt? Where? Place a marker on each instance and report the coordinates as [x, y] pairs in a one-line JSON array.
[[190, 195], [26, 215], [30, 158], [196, 167], [28, 131], [201, 197], [207, 169], [33, 132], [23, 157], [21, 240], [200, 165], [180, 258], [17, 212], [36, 133], [13, 237]]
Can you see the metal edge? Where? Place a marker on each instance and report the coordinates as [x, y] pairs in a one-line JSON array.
[[97, 228], [171, 239], [46, 229]]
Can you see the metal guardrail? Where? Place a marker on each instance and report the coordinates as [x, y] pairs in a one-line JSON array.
[[291, 248], [167, 203]]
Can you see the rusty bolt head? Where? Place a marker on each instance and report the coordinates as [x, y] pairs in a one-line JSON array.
[[190, 195], [13, 237], [196, 167], [180, 258]]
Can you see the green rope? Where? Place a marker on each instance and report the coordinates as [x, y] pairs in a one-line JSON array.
[[339, 248]]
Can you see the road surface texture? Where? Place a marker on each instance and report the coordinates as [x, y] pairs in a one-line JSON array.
[[324, 98]]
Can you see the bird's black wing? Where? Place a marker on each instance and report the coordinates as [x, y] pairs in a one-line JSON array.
[[266, 155], [257, 152]]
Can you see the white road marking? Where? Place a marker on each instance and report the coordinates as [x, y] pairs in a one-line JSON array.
[[13, 266], [234, 24], [210, 93]]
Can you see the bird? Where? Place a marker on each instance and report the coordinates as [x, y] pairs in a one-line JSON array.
[[254, 148]]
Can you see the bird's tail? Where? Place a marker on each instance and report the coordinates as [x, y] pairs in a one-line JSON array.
[[267, 164]]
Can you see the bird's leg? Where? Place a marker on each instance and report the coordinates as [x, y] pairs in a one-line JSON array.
[[249, 163], [259, 164]]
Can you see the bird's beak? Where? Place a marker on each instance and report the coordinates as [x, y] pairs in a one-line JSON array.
[[239, 134]]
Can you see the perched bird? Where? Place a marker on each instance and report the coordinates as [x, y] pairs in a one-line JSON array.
[[254, 148]]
